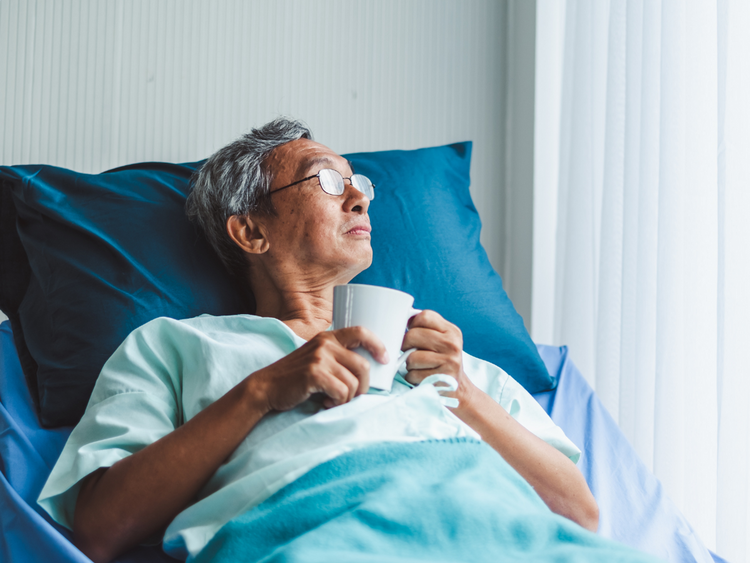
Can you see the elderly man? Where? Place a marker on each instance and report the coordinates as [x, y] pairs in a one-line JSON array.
[[195, 425]]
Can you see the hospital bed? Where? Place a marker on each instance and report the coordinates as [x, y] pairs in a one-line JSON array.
[[84, 259]]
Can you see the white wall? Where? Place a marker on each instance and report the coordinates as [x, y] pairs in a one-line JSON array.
[[550, 27], [518, 233], [92, 85]]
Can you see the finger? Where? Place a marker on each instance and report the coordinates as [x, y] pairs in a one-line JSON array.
[[335, 387], [429, 319], [424, 359], [344, 366], [415, 377], [357, 366], [356, 336], [431, 339]]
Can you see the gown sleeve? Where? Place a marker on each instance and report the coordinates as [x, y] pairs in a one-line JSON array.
[[135, 402], [519, 404]]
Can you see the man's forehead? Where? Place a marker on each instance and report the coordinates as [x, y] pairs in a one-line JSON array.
[[321, 161], [303, 157], [318, 157]]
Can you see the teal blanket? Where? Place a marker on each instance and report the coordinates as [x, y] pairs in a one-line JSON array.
[[447, 500]]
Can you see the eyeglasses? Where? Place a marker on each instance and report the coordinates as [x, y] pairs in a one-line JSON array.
[[332, 183]]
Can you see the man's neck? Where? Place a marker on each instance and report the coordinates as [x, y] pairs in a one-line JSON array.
[[306, 313], [306, 307]]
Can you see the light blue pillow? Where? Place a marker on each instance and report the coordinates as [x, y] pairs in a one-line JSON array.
[[425, 242]]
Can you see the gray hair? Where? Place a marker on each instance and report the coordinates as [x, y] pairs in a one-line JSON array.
[[234, 181]]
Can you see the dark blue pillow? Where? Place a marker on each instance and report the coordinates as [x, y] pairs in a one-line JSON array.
[[107, 253], [111, 251], [425, 241]]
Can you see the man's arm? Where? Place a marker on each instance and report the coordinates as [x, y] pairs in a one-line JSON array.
[[121, 506], [554, 477]]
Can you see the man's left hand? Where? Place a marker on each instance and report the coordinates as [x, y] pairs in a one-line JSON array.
[[439, 345]]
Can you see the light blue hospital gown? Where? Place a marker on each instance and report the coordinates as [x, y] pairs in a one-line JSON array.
[[168, 370]]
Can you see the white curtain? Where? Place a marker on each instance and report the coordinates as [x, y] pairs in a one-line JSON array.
[[643, 150]]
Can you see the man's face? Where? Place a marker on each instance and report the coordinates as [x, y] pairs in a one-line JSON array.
[[315, 231]]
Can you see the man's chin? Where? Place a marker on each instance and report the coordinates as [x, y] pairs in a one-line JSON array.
[[360, 267]]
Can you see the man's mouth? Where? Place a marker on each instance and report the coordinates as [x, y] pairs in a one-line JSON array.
[[359, 230]]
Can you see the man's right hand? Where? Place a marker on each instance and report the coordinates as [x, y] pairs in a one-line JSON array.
[[326, 364]]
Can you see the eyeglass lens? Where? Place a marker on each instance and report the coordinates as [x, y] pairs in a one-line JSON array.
[[363, 184], [333, 183]]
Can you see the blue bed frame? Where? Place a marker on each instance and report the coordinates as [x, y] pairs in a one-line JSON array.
[[633, 507]]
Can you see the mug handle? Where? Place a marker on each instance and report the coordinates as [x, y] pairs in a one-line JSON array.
[[402, 371]]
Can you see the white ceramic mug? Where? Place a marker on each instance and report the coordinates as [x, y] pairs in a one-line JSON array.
[[385, 312]]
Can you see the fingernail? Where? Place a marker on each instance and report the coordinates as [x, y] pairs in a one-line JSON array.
[[386, 357]]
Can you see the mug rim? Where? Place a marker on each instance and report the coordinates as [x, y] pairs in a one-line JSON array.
[[372, 285]]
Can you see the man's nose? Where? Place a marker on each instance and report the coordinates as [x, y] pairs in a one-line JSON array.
[[355, 200]]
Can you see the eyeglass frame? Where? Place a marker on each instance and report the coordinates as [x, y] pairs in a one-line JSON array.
[[321, 184]]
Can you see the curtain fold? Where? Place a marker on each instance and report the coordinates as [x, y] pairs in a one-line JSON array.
[[652, 260], [733, 375]]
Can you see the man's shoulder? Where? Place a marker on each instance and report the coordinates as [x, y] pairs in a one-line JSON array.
[[205, 326], [201, 323]]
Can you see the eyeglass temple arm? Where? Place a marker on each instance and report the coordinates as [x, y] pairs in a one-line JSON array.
[[297, 182]]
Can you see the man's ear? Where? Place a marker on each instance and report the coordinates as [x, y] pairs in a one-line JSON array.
[[247, 233]]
